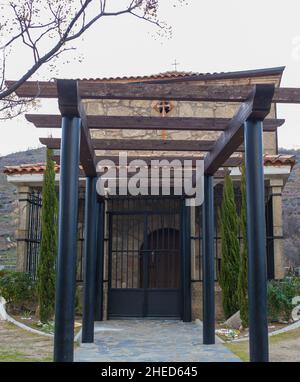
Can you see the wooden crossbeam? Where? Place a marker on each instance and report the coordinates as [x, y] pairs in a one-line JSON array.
[[187, 91], [118, 175], [142, 145], [70, 105], [148, 123], [231, 162], [256, 107]]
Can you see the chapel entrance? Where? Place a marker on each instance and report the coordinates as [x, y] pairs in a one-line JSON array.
[[145, 259]]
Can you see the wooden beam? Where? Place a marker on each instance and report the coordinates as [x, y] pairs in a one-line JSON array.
[[256, 107], [70, 105], [148, 123], [221, 173], [142, 145], [231, 162], [287, 95], [147, 159], [35, 89], [187, 91]]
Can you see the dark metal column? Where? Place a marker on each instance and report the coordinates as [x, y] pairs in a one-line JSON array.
[[186, 262], [100, 259], [256, 235], [208, 266], [67, 241], [89, 279]]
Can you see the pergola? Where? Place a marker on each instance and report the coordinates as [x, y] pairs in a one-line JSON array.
[[242, 133]]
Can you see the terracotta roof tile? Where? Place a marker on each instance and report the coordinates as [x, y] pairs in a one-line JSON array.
[[39, 168], [177, 75], [36, 168], [159, 76], [280, 159]]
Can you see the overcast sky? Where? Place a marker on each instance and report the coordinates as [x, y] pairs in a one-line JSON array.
[[208, 36]]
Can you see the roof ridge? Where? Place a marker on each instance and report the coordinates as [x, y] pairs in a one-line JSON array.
[[181, 74]]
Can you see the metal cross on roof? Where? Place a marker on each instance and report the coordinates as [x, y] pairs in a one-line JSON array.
[[175, 65]]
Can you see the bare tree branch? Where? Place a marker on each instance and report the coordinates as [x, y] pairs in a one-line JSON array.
[[36, 24]]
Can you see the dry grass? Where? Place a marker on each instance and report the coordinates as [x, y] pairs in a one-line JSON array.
[[17, 345], [284, 347]]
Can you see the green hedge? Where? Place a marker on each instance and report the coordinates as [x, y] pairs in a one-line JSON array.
[[17, 288], [280, 296]]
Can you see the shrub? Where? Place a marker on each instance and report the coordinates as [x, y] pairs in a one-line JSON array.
[[46, 267], [17, 288], [280, 296], [230, 249], [243, 269]]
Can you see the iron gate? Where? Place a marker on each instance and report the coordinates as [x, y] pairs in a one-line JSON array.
[[34, 233], [145, 257]]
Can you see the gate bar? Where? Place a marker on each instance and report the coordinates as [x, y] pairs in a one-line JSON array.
[[67, 241], [89, 261], [186, 262], [100, 259], [208, 267], [256, 236]]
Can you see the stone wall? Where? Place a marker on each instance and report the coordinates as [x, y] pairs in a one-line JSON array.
[[179, 109], [197, 308]]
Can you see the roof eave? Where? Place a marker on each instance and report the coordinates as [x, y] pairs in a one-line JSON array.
[[226, 75]]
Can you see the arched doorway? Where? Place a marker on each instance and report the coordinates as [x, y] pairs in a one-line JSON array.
[[145, 262]]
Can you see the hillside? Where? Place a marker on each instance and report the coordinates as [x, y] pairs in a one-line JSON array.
[[291, 213], [8, 204]]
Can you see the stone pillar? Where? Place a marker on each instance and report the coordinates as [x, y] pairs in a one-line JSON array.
[[276, 186], [21, 234]]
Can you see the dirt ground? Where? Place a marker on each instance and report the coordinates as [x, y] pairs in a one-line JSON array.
[[284, 347], [17, 345]]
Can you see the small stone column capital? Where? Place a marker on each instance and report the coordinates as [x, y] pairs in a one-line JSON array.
[[277, 182]]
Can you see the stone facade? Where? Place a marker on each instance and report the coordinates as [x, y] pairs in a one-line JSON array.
[[179, 109]]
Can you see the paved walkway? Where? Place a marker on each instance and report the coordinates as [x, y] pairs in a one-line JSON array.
[[151, 341]]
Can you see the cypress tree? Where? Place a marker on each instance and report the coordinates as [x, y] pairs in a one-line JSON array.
[[230, 250], [243, 274], [47, 258]]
